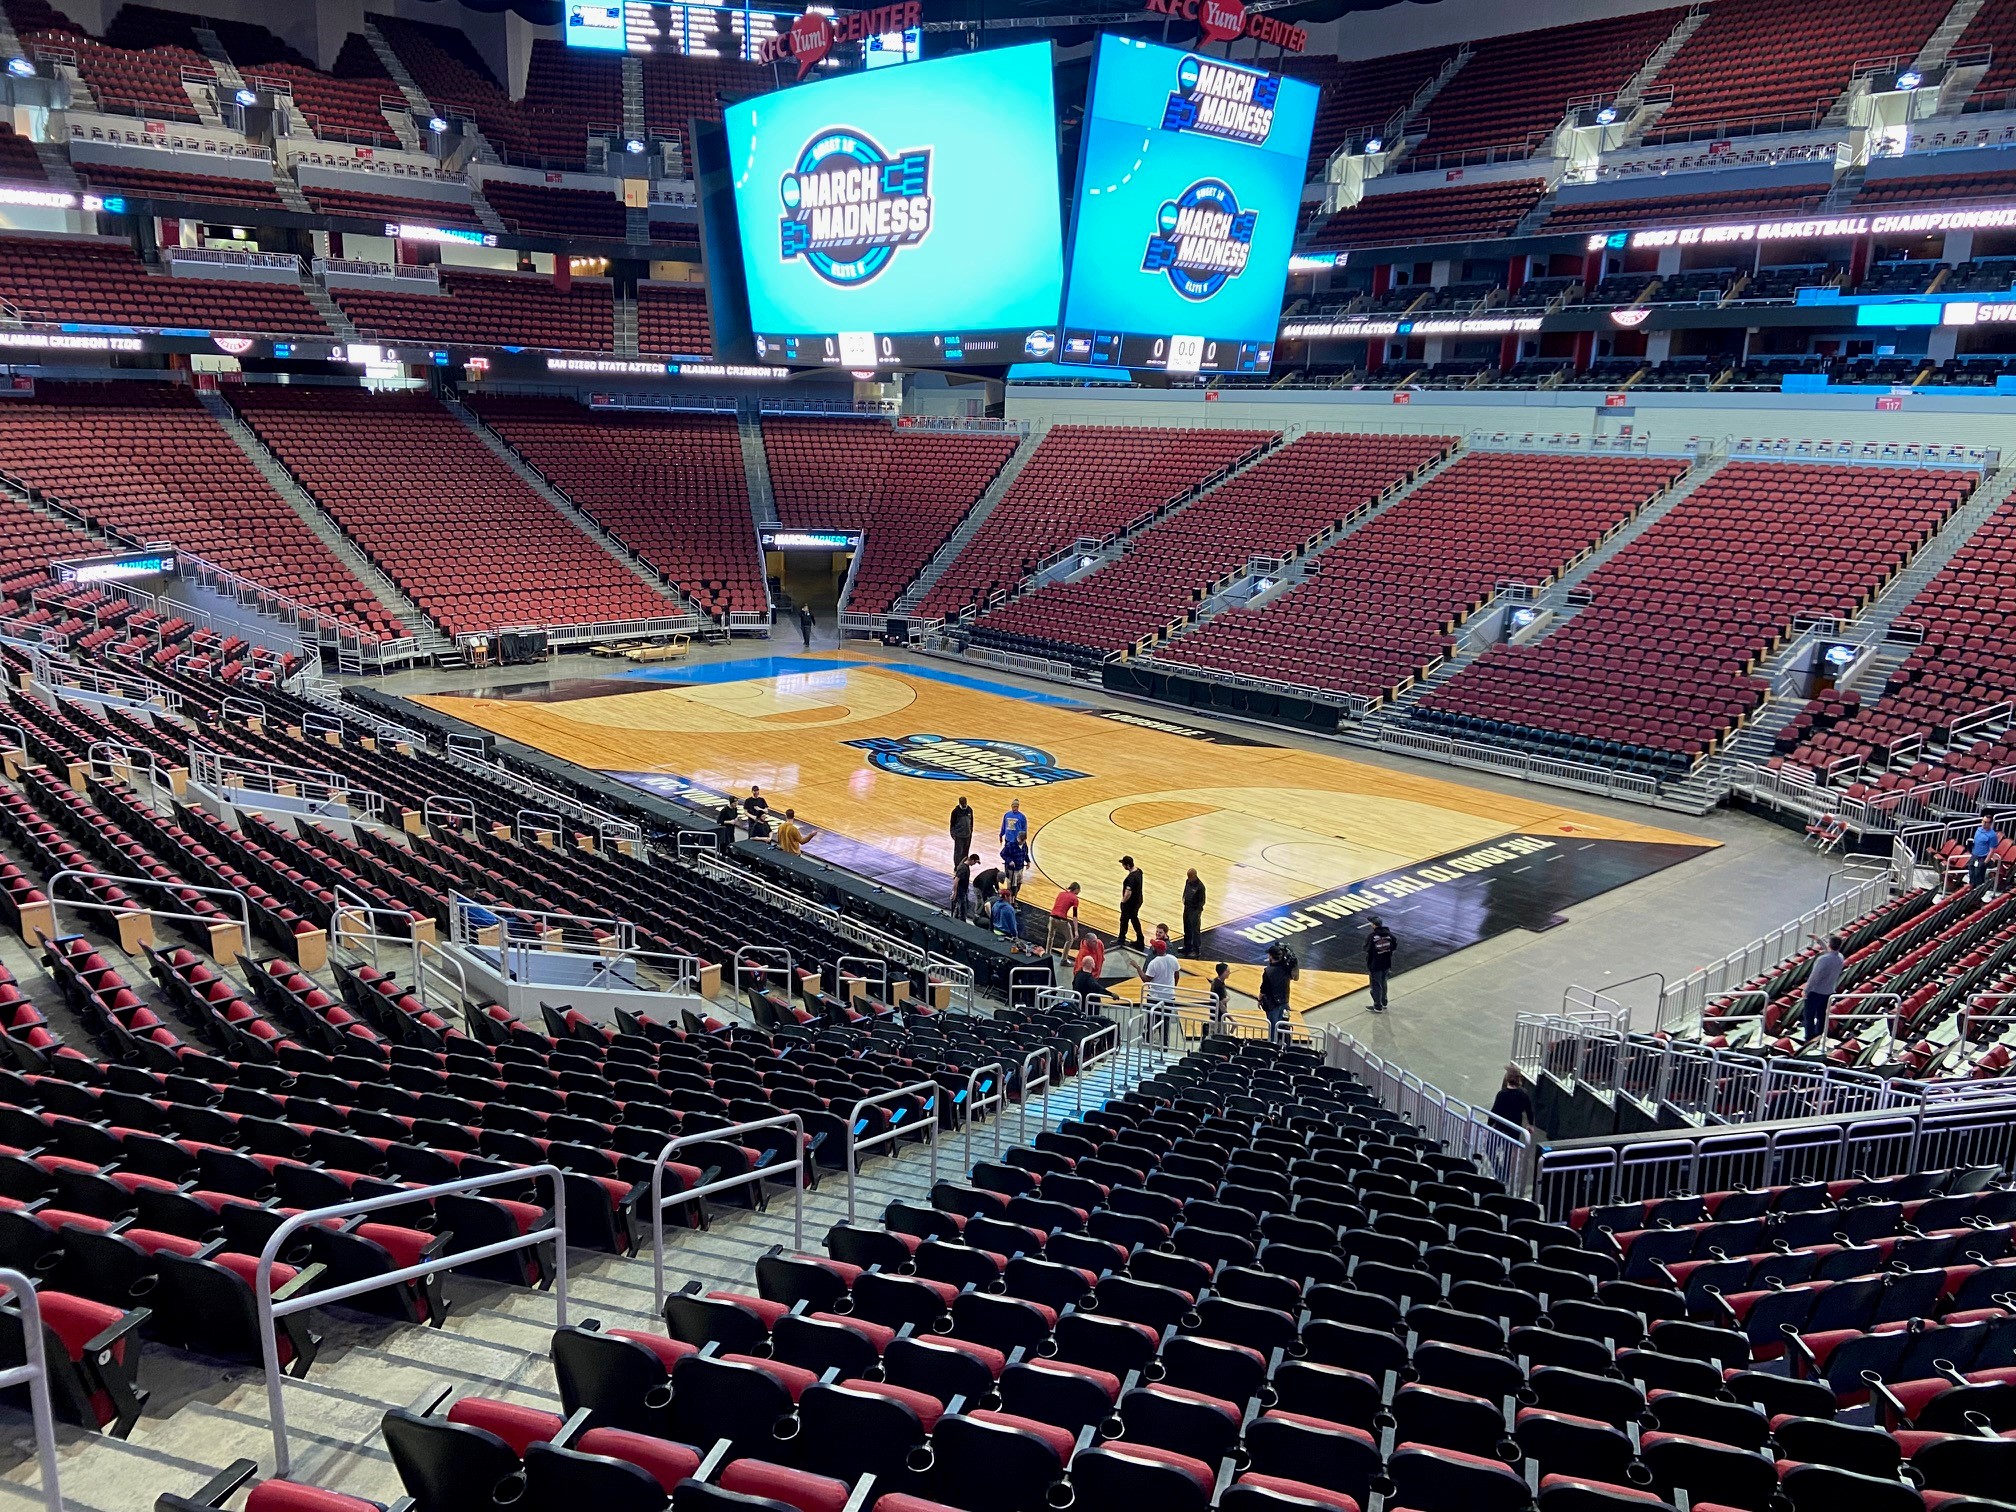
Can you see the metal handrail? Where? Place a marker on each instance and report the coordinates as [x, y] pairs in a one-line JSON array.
[[996, 1103], [90, 905], [660, 1202], [1033, 1058], [446, 803], [1087, 1058], [35, 1375], [854, 1146], [270, 1312]]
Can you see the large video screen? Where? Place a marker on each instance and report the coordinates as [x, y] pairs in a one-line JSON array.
[[1189, 183], [906, 216]]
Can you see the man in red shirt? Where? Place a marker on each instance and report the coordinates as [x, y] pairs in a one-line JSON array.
[[1063, 910], [1086, 965]]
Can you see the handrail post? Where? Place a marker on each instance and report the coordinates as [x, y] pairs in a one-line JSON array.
[[659, 1201], [35, 1373], [1032, 1059], [854, 1147], [270, 1312], [973, 1105]]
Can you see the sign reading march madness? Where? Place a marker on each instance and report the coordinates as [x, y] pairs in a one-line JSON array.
[[1222, 20], [813, 36]]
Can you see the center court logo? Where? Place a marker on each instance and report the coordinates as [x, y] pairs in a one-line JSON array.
[[849, 205], [941, 758], [1202, 238]]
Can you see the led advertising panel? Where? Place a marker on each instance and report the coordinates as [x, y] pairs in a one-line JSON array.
[[1189, 184], [906, 216]]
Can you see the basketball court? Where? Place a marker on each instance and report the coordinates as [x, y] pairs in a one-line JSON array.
[[1290, 844]]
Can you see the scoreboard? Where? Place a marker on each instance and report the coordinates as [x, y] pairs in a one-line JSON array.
[[673, 26]]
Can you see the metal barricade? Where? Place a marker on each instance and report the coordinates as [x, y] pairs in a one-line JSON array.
[[855, 1145], [270, 1311], [660, 1202], [34, 1374]]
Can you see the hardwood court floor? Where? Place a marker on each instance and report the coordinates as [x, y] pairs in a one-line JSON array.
[[1290, 844]]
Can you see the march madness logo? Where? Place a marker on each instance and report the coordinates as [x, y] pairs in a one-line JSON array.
[[1202, 238], [940, 758], [1221, 100], [848, 205]]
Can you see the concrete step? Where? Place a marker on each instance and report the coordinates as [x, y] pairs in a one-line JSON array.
[[643, 571], [332, 313], [969, 527], [756, 471], [396, 68], [325, 527], [1308, 563]]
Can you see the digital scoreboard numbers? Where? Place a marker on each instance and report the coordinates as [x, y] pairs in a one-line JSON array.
[[907, 217], [1189, 184], [672, 26]]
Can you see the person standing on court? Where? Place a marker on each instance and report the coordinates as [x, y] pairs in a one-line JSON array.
[[805, 624], [1821, 984], [1980, 851], [724, 827], [1193, 913], [1379, 948], [962, 886], [1274, 992], [1130, 905], [1015, 823], [1063, 919], [755, 806], [1014, 861], [962, 830]]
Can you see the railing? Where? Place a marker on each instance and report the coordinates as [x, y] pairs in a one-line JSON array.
[[270, 1311], [1547, 769], [286, 262], [227, 774], [1035, 1065], [34, 1374], [994, 1102], [1975, 1130], [172, 886], [604, 630], [1501, 1149], [854, 1145], [1741, 126], [1681, 1003], [1094, 1049], [884, 944], [797, 1166], [1353, 704]]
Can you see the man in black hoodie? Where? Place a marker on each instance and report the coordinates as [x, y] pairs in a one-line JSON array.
[[962, 830], [1379, 948]]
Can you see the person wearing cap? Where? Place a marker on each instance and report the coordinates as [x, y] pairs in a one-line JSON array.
[[1379, 948]]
